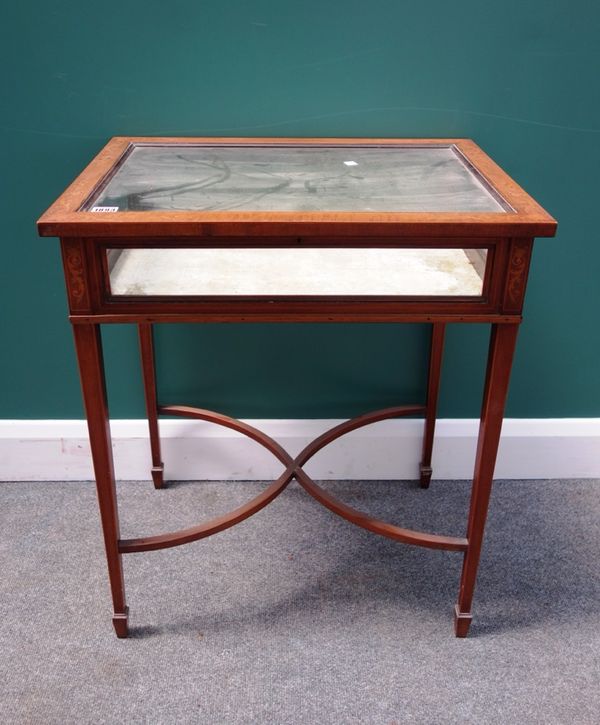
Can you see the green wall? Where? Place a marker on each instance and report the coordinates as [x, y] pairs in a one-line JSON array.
[[520, 77]]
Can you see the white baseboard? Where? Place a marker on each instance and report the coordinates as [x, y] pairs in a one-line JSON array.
[[49, 450]]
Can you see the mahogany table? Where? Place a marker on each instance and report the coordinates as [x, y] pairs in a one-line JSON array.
[[162, 230]]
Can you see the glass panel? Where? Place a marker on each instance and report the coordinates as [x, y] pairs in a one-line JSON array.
[[308, 271], [356, 178]]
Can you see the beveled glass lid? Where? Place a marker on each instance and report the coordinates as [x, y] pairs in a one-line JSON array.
[[298, 178]]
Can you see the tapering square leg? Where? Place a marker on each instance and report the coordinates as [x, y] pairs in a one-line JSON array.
[[502, 345], [433, 386], [149, 376], [88, 345]]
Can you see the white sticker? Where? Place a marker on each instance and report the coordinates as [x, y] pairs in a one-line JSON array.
[[104, 208], [351, 163]]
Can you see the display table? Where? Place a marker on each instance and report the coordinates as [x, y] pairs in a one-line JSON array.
[[294, 230]]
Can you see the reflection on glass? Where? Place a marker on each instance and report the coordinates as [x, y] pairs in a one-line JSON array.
[[308, 271], [352, 178]]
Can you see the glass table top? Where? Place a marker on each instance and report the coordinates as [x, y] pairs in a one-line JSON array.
[[199, 177]]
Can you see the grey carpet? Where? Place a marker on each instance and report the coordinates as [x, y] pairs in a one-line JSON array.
[[295, 616]]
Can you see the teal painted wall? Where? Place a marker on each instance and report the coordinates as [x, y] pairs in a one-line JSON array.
[[520, 77]]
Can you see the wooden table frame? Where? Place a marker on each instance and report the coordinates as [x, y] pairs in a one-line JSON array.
[[85, 236]]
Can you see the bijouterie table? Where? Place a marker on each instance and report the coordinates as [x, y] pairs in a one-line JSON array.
[[164, 230]]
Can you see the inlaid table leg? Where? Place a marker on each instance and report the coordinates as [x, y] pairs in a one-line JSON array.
[[500, 356], [149, 375], [88, 345], [433, 386]]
